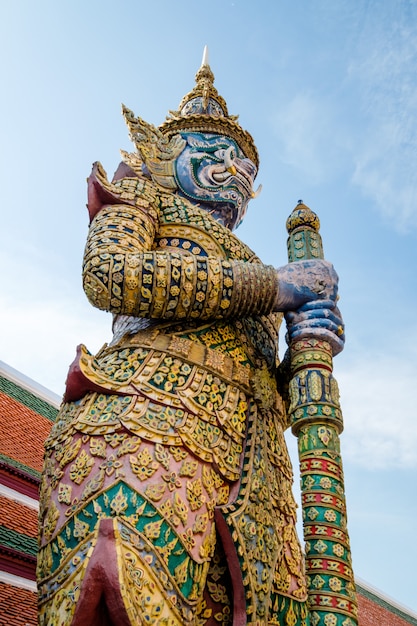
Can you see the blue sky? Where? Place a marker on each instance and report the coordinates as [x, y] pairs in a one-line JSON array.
[[328, 89]]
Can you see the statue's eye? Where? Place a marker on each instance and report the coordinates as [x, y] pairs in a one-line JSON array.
[[226, 154]]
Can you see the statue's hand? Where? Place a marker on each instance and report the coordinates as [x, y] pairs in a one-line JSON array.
[[305, 281], [319, 319]]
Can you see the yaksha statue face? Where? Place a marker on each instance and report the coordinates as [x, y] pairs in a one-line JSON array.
[[200, 152], [212, 170]]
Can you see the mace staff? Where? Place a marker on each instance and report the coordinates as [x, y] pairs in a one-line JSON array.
[[316, 420]]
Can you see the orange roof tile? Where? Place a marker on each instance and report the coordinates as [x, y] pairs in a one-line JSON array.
[[19, 517], [18, 607], [373, 613], [23, 432]]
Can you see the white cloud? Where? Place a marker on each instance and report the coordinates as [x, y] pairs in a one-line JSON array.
[[303, 128], [391, 187], [380, 410], [360, 117], [39, 338], [44, 316], [383, 71]]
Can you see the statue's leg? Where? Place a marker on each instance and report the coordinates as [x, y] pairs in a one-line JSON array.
[[100, 602], [145, 508], [114, 586], [217, 603]]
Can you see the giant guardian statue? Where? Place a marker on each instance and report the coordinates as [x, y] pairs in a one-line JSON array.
[[166, 495]]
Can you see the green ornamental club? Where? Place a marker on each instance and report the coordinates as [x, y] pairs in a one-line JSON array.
[[316, 420]]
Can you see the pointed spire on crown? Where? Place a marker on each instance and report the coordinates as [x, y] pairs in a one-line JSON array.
[[205, 59], [204, 98], [204, 110], [205, 79]]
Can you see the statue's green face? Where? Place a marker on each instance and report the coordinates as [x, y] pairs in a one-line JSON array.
[[213, 171]]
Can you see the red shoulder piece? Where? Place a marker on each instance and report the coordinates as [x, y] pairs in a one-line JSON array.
[[78, 384], [98, 194]]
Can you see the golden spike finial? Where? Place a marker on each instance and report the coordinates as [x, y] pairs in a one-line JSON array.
[[205, 79], [205, 60], [203, 110]]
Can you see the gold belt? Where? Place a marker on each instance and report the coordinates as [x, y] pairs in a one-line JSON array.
[[191, 351]]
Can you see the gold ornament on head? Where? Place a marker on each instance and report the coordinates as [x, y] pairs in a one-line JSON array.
[[157, 151], [203, 110]]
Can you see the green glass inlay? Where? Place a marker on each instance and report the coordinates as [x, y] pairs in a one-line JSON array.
[[122, 501]]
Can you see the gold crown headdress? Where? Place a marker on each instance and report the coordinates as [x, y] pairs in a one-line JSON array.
[[204, 110]]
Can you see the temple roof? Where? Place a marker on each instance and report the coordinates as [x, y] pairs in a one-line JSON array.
[[19, 605], [18, 517], [27, 413], [22, 435]]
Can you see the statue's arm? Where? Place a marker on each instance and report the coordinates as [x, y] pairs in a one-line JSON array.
[[124, 274]]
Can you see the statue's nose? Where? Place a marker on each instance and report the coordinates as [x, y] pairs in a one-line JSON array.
[[229, 161]]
